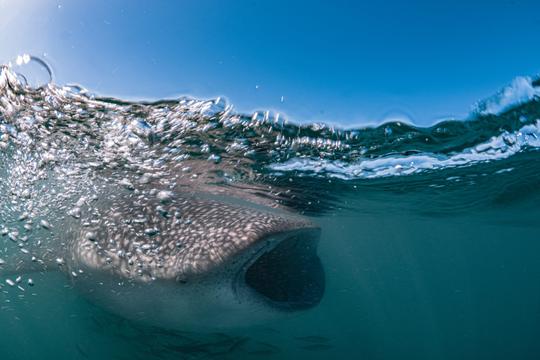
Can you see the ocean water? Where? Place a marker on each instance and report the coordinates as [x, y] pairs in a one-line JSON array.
[[429, 235]]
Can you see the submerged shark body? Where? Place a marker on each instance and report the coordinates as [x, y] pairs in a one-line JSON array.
[[208, 261], [124, 199], [157, 252]]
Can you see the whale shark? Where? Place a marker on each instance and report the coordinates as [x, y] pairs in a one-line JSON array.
[[115, 196], [165, 255]]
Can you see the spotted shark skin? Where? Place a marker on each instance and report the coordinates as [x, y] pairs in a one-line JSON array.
[[174, 237]]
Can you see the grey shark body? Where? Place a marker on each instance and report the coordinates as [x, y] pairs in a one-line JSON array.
[[124, 199], [167, 255], [209, 261]]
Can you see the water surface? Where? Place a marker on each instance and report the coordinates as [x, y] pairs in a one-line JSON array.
[[430, 235]]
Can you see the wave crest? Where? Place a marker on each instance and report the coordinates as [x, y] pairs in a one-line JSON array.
[[70, 125]]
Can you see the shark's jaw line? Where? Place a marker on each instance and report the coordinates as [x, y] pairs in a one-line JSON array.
[[285, 273]]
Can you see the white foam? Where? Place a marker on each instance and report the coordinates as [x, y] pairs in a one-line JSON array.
[[518, 92], [498, 147]]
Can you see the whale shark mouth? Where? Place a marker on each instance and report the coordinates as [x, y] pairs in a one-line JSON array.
[[288, 274]]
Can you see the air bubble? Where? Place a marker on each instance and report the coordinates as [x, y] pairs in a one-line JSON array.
[[32, 71]]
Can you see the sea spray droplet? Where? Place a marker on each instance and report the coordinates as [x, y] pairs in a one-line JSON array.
[[32, 70], [75, 212], [127, 184], [80, 202], [151, 231], [145, 179], [45, 224], [165, 196], [214, 158], [26, 194]]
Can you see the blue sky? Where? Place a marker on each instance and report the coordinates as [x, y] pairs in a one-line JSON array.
[[347, 62]]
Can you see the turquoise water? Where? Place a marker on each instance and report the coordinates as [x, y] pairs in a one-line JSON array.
[[429, 235]]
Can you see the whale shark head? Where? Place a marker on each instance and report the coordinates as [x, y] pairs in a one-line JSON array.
[[192, 261]]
